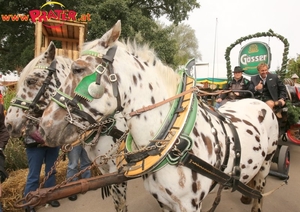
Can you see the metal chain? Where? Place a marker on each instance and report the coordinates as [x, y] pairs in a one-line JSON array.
[[30, 117], [103, 159], [94, 126], [159, 145], [60, 158]]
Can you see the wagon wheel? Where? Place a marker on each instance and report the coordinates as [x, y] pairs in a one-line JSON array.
[[294, 133], [284, 160]]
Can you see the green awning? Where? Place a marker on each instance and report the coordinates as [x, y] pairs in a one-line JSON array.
[[217, 81]]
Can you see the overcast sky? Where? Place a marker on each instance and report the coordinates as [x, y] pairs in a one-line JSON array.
[[225, 21]]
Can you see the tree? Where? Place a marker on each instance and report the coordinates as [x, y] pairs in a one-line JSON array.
[[293, 67], [187, 43]]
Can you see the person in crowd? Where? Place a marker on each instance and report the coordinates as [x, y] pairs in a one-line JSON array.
[[1, 98], [37, 154], [238, 82], [4, 137], [268, 87], [78, 159]]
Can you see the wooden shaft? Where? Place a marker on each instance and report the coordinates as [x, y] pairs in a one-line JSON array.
[[42, 196]]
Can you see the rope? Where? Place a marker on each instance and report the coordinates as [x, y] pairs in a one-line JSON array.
[[273, 190]]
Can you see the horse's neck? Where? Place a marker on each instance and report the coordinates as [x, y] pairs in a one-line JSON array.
[[145, 126]]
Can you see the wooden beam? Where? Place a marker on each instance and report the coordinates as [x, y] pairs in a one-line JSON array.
[[38, 38], [67, 23], [81, 38], [75, 51], [63, 39], [69, 49]]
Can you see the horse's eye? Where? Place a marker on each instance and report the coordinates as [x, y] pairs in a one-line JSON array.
[[31, 81], [78, 70]]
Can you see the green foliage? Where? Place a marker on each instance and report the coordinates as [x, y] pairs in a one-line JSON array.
[[15, 155], [9, 95], [293, 113], [14, 150], [293, 67], [185, 39]]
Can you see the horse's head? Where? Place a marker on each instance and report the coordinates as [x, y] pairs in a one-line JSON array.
[[108, 77], [38, 80]]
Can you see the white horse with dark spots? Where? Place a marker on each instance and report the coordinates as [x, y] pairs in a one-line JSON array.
[[177, 144], [30, 102]]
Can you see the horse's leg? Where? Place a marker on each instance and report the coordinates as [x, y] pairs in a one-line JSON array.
[[118, 193], [217, 199], [259, 184], [163, 207], [247, 200]]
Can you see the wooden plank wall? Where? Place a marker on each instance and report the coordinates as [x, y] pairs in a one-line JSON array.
[[71, 40]]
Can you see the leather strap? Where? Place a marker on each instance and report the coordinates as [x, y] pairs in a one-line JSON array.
[[52, 69], [150, 107], [109, 57], [207, 170], [236, 146]]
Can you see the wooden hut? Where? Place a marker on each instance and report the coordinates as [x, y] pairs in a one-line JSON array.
[[70, 34]]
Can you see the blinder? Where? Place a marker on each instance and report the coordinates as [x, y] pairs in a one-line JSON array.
[[90, 87], [33, 106]]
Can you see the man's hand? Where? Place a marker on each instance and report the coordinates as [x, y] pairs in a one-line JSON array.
[[218, 100], [259, 86], [282, 102]]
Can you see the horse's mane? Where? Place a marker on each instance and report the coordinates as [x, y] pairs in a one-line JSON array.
[[33, 63], [148, 55]]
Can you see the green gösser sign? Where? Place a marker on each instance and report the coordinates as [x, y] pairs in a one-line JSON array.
[[253, 54]]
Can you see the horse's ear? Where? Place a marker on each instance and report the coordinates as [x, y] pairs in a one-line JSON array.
[[50, 52], [113, 34]]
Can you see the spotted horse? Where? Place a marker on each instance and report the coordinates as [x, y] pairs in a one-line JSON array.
[[175, 142], [38, 80]]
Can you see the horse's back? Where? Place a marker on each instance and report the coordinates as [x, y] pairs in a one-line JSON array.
[[257, 128], [252, 112]]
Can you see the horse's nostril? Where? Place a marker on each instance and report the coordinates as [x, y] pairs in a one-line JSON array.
[[9, 127]]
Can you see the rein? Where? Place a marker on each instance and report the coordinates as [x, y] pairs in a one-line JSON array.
[[150, 107]]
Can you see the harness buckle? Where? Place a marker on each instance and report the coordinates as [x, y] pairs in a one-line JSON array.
[[113, 77], [100, 69], [236, 172], [176, 151]]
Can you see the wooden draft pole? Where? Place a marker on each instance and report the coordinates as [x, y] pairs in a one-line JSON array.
[[44, 195]]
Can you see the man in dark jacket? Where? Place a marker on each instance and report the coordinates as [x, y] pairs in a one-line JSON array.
[[268, 87], [238, 82]]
